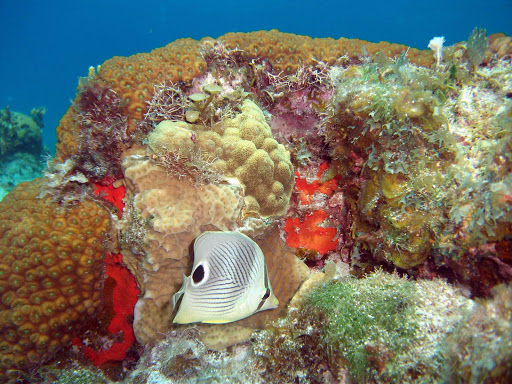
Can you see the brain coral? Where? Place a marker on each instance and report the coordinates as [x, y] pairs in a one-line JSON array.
[[50, 274], [133, 78]]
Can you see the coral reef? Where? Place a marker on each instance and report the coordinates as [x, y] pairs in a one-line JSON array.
[[51, 274], [21, 147], [190, 177], [371, 330], [172, 213], [360, 155], [431, 141], [21, 133], [18, 167], [133, 79], [403, 331], [479, 350]]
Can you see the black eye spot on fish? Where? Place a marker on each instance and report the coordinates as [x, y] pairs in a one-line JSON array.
[[198, 274]]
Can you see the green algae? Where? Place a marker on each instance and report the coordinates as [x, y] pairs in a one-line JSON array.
[[385, 328], [367, 315], [446, 134]]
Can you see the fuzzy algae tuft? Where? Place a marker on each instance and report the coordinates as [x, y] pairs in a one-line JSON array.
[[480, 349], [436, 152], [377, 327]]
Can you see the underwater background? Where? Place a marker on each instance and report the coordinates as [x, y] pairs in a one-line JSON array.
[[266, 192], [45, 46]]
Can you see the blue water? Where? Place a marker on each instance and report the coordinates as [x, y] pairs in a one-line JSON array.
[[45, 46]]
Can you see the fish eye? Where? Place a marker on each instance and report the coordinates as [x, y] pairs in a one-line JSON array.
[[198, 274]]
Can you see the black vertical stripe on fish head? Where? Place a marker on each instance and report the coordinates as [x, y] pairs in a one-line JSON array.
[[198, 274]]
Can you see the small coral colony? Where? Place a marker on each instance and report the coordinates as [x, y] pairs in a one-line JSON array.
[[270, 208]]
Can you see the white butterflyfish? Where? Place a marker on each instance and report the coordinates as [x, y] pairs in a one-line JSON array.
[[229, 281]]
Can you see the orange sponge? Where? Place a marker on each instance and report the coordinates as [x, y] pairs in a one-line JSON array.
[[308, 234], [306, 190]]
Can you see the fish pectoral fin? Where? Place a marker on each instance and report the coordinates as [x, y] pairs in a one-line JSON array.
[[178, 295]]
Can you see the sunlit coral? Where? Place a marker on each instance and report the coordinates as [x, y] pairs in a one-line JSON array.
[[51, 274]]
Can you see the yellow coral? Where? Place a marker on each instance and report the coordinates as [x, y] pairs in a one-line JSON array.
[[169, 136], [50, 274], [241, 147]]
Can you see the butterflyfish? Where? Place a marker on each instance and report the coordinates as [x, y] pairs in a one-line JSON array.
[[229, 281]]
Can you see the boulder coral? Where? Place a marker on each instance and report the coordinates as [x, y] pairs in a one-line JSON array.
[[251, 186], [241, 148], [50, 274], [134, 78], [21, 133]]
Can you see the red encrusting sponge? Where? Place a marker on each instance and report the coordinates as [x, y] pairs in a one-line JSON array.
[[307, 234]]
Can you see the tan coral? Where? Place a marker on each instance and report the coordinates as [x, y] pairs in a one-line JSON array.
[[241, 147], [176, 211], [50, 274]]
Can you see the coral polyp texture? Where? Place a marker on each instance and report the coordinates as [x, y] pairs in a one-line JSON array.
[[134, 78], [241, 147], [50, 275]]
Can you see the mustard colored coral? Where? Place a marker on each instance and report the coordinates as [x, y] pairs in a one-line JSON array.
[[50, 274], [241, 147], [133, 78]]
